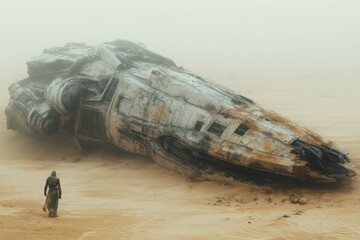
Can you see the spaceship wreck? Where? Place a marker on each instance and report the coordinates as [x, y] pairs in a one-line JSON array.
[[122, 94]]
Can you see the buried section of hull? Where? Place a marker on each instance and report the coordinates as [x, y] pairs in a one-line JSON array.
[[123, 94], [193, 160]]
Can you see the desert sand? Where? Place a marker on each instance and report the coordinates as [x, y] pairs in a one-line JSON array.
[[110, 194]]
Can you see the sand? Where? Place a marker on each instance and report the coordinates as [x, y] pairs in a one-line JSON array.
[[109, 194]]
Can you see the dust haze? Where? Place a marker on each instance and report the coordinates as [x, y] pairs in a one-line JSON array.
[[249, 37], [299, 58]]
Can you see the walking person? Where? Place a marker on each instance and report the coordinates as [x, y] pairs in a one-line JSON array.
[[52, 195]]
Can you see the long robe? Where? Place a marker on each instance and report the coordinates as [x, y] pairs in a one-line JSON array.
[[53, 195]]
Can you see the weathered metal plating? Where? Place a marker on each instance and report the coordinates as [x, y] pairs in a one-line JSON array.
[[121, 93]]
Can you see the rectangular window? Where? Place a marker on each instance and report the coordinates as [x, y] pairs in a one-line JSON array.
[[242, 129], [198, 125], [216, 129]]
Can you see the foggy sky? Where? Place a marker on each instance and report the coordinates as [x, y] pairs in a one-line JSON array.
[[230, 36]]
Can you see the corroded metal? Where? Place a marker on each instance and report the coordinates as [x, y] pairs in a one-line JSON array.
[[121, 93]]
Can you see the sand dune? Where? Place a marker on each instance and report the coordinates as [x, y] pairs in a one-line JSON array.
[[109, 194]]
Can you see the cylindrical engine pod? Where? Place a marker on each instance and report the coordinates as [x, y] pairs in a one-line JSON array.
[[30, 114], [64, 95], [44, 118]]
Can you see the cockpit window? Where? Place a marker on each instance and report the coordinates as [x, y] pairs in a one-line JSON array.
[[198, 125], [242, 129], [216, 129]]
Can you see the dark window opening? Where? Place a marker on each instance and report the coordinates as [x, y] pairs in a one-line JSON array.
[[216, 129], [198, 125], [242, 129]]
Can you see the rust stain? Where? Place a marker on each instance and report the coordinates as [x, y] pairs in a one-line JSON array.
[[267, 146], [311, 137], [158, 114]]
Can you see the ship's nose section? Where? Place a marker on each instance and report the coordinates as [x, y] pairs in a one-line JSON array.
[[323, 160]]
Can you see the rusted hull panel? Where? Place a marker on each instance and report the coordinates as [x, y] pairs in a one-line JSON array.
[[123, 94]]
